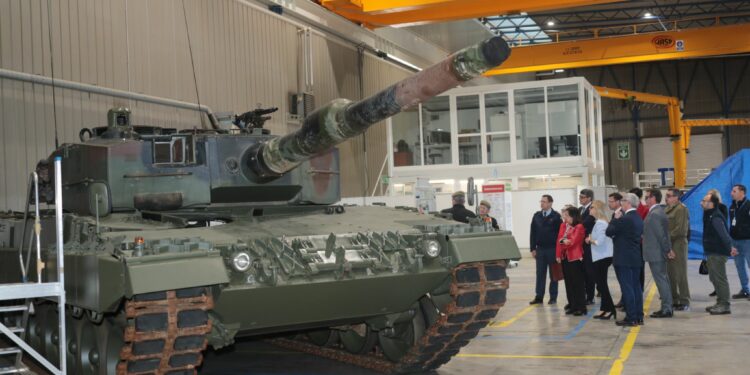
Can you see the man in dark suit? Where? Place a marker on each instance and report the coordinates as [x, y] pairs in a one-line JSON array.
[[458, 211], [544, 228], [585, 198], [657, 249], [626, 231]]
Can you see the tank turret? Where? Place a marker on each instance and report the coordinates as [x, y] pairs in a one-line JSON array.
[[343, 119], [124, 167]]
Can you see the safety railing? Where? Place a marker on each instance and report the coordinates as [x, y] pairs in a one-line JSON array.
[[27, 291]]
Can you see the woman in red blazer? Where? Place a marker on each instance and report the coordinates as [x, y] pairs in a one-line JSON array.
[[569, 252]]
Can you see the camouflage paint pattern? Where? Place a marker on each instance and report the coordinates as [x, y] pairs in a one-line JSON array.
[[342, 119]]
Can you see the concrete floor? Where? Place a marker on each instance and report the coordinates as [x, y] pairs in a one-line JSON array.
[[541, 339]]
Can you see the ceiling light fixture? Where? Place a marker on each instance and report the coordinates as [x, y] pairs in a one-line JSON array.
[[648, 15], [550, 23]]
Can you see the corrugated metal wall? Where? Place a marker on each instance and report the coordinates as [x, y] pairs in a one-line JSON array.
[[242, 57], [709, 88]]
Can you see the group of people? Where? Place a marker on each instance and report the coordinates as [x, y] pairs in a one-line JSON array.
[[627, 232]]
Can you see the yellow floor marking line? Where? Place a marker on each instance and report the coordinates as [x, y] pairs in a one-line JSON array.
[[627, 347], [510, 321], [511, 356]]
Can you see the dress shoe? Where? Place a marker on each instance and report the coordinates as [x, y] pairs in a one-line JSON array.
[[712, 294], [661, 314], [567, 307], [578, 313], [569, 311], [536, 301], [626, 323], [606, 315], [682, 308], [640, 322], [720, 310], [552, 301], [741, 294], [709, 308]]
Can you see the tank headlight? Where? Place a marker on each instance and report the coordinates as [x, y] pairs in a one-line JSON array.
[[432, 248], [241, 261]]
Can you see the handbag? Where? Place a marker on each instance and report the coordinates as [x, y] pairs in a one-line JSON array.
[[557, 272], [703, 268]]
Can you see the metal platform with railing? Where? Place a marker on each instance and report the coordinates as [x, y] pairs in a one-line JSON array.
[[664, 177], [18, 298]]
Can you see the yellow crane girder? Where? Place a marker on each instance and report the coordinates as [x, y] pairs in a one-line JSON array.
[[379, 13], [679, 129], [636, 48]]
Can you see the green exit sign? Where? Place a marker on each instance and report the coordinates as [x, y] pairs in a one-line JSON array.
[[623, 151]]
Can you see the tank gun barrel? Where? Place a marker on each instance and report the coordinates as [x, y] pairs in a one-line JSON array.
[[342, 119]]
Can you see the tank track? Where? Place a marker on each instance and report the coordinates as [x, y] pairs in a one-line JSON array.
[[477, 292], [167, 332]]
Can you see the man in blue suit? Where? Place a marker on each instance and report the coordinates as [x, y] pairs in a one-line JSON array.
[[626, 230]]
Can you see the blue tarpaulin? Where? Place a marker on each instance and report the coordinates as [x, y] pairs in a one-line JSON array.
[[734, 170]]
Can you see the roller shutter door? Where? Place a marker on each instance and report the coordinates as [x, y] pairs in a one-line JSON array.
[[705, 152]]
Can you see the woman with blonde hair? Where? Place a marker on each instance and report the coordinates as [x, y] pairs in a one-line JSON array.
[[601, 255]]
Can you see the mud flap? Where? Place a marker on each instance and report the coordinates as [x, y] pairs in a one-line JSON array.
[[482, 248], [166, 274]]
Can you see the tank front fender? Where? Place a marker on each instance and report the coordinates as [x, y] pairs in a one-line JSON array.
[[480, 247], [174, 271]]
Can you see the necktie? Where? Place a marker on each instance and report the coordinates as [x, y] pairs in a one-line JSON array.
[[544, 213]]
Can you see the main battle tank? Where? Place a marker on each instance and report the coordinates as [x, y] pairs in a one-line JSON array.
[[176, 240]]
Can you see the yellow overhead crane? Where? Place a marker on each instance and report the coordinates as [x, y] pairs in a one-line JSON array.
[[679, 129], [635, 48], [379, 13]]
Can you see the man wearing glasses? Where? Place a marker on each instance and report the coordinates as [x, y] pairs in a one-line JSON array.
[[544, 228], [679, 226]]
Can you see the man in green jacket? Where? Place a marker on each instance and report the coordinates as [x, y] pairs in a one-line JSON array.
[[679, 224]]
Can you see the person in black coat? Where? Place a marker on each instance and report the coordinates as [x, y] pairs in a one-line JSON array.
[[626, 231], [458, 211], [544, 229], [585, 198], [724, 211], [717, 245]]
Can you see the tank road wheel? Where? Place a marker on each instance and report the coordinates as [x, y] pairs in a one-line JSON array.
[[111, 342], [323, 337], [35, 328], [72, 330], [51, 334], [89, 353], [358, 339], [396, 342]]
